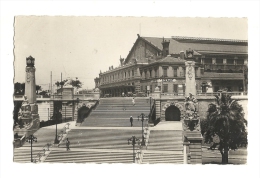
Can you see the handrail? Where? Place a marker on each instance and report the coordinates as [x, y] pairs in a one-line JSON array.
[[151, 111]]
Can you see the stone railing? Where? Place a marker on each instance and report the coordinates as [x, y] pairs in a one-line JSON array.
[[216, 93]]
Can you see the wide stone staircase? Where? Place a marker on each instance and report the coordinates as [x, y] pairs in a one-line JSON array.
[[164, 146], [115, 112], [95, 146]]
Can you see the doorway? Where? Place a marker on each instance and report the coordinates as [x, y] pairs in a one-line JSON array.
[[172, 113]]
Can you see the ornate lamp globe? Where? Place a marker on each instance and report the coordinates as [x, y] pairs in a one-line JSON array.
[[30, 61]]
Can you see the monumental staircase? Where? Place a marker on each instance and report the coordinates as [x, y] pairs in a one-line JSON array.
[[164, 146], [103, 137], [116, 112]]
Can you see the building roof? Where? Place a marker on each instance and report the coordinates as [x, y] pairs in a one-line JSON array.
[[201, 45], [171, 59]]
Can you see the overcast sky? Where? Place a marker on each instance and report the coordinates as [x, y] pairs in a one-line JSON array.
[[82, 46]]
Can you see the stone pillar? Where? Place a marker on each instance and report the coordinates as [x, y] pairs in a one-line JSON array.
[[157, 97], [190, 78], [30, 86], [195, 149]]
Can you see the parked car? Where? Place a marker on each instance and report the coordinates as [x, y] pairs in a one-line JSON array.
[[107, 95], [141, 94], [129, 94]]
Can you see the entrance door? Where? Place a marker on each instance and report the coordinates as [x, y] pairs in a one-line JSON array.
[[172, 113]]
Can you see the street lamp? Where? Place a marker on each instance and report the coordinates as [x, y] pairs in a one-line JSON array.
[[133, 139], [65, 113], [142, 119], [31, 139], [56, 141]]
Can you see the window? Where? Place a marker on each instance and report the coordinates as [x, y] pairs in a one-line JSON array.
[[183, 87], [230, 61], [239, 61], [175, 88], [150, 73], [165, 71], [165, 88], [141, 88], [155, 72], [175, 72], [219, 61], [133, 73], [208, 61], [184, 71]]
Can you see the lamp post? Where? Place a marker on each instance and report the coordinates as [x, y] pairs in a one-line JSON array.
[[65, 113], [56, 141], [133, 139], [31, 139], [142, 119], [48, 113], [77, 108]]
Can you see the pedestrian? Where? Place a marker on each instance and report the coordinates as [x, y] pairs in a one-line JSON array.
[[131, 121], [68, 144], [123, 94], [133, 101]]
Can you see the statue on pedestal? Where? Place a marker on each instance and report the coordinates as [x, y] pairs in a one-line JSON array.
[[191, 117]]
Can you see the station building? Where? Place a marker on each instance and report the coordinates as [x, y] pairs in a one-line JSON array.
[[160, 62]]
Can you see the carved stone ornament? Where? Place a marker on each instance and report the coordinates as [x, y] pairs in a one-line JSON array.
[[190, 71], [189, 53], [28, 76], [191, 118]]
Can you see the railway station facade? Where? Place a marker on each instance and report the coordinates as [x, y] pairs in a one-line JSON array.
[[160, 62]]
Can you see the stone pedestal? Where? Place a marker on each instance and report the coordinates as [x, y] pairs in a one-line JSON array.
[[193, 147], [190, 78]]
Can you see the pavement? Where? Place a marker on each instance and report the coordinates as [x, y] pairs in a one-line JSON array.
[[168, 125]]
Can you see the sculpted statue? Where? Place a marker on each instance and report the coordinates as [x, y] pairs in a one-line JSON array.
[[191, 121], [190, 103]]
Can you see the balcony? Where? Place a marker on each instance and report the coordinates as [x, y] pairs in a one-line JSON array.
[[228, 68]]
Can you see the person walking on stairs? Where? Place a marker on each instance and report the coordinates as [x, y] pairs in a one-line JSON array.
[[131, 121], [68, 144], [133, 101]]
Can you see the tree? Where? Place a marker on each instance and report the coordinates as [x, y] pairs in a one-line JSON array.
[[19, 88], [226, 121], [38, 87], [75, 83]]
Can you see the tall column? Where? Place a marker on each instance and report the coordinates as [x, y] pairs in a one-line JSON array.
[[30, 86], [190, 78]]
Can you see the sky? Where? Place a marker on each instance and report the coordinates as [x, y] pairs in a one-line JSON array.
[[82, 46]]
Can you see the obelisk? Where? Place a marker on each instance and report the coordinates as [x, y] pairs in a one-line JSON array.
[[30, 86], [190, 74]]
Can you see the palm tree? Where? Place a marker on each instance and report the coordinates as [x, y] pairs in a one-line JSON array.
[[226, 121]]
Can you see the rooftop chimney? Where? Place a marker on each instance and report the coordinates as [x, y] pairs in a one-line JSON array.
[[165, 44], [121, 61], [182, 54]]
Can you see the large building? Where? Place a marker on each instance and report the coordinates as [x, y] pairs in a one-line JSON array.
[[152, 62]]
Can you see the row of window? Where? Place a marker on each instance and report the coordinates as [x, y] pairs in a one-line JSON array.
[[121, 75], [223, 61], [177, 88]]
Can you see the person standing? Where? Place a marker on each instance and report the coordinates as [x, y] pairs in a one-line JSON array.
[[68, 144], [133, 101], [131, 121]]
